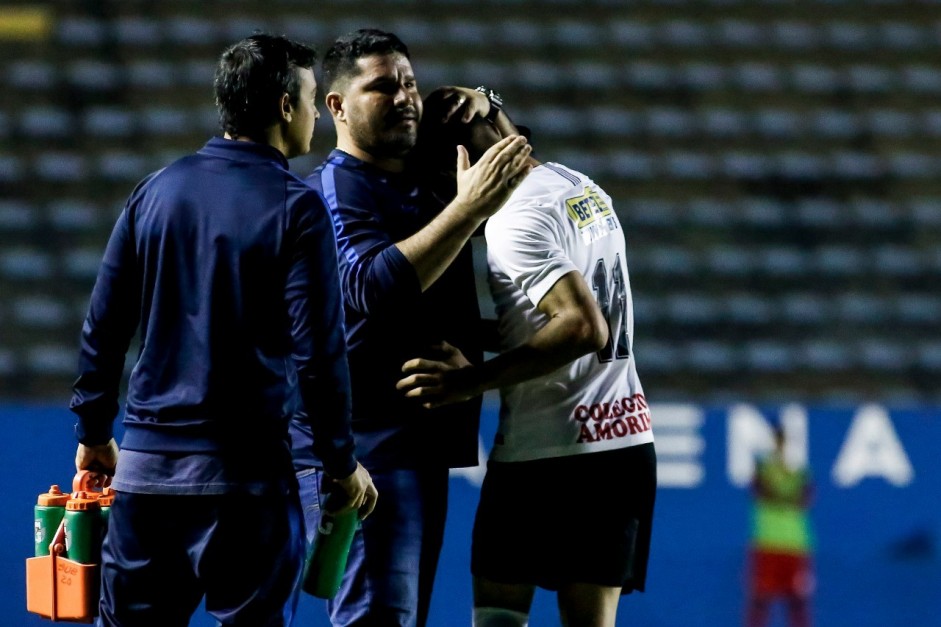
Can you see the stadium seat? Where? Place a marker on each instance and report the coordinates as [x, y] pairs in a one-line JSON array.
[[631, 34], [784, 261], [184, 30], [9, 365], [93, 75], [813, 78], [795, 35], [82, 263], [711, 356], [40, 123], [122, 166], [25, 264], [110, 121], [12, 168], [138, 31], [40, 312], [60, 166], [861, 307], [81, 31], [749, 309], [746, 165], [74, 215], [770, 356], [884, 355], [17, 216], [826, 355], [804, 309], [152, 74], [921, 79], [576, 33], [669, 122], [691, 308], [51, 359], [840, 260], [166, 120], [31, 74], [902, 36]]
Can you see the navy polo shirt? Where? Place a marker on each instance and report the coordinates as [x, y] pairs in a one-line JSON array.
[[389, 320], [226, 262]]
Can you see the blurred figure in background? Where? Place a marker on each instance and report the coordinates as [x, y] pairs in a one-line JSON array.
[[781, 541]]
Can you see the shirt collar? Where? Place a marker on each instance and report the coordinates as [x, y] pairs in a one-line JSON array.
[[344, 159], [249, 152]]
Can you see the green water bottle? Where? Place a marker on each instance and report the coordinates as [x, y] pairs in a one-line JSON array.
[[47, 514], [326, 562], [105, 501], [83, 528]]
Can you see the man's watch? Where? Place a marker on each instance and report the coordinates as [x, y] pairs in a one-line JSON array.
[[496, 103]]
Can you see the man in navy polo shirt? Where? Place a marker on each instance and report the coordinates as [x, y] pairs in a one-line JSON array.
[[227, 263], [408, 284]]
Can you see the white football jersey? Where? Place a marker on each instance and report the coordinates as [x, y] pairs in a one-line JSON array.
[[558, 221]]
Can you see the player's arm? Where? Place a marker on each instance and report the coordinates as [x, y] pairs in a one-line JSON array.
[[112, 318], [575, 327], [375, 277], [319, 352], [481, 190]]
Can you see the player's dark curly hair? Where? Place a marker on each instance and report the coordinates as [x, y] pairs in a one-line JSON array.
[[437, 139], [340, 60], [435, 152], [251, 77]]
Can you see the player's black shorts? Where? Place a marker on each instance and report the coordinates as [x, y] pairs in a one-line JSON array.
[[577, 519]]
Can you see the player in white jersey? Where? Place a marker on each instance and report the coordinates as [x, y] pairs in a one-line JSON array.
[[567, 500]]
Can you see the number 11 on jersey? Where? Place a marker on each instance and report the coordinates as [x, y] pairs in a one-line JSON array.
[[613, 303]]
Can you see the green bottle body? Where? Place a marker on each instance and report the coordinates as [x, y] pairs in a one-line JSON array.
[[46, 522], [83, 535], [326, 562]]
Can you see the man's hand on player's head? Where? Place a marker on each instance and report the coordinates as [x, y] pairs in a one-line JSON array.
[[485, 186]]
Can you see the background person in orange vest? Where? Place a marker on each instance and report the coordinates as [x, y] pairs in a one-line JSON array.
[[781, 539]]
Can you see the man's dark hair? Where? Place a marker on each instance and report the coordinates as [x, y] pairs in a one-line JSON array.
[[340, 60], [251, 77]]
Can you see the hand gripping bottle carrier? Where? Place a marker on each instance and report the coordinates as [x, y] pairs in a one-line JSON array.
[[326, 562], [62, 579]]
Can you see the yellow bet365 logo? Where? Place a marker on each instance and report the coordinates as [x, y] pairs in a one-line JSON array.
[[587, 208]]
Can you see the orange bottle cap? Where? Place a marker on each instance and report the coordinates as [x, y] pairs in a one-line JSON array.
[[107, 497], [82, 502], [53, 498]]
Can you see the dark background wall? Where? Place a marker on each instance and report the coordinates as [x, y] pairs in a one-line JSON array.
[[775, 164]]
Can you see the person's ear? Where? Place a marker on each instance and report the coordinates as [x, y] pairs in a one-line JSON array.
[[285, 108], [334, 102]]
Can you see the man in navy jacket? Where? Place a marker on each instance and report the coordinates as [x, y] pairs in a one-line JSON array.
[[227, 263], [408, 285]]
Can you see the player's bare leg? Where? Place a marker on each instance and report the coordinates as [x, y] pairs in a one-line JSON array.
[[588, 605], [501, 604]]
